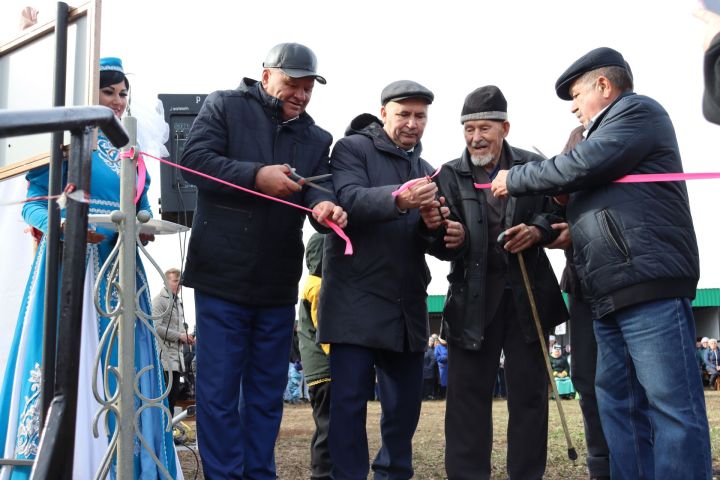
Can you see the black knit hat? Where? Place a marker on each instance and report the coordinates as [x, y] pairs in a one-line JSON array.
[[484, 103]]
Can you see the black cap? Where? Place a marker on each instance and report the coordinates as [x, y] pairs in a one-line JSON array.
[[294, 60], [594, 59], [484, 103], [402, 89]]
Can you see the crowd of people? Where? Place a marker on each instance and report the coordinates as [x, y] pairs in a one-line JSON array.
[[363, 321], [367, 318]]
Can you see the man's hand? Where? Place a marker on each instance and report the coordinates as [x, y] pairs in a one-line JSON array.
[[520, 237], [712, 25], [328, 210], [434, 214], [499, 185], [187, 338], [273, 180], [563, 240], [454, 234], [420, 194]]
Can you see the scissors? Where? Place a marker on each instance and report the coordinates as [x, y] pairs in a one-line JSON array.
[[308, 180]]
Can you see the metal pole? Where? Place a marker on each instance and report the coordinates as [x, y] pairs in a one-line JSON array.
[[572, 454], [126, 334], [52, 240], [55, 452]]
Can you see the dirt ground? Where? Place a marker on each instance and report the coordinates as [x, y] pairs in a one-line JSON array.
[[292, 451]]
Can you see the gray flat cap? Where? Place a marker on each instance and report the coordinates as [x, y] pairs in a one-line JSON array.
[[294, 60], [403, 89]]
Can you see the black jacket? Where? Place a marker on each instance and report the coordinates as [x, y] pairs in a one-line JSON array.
[[244, 248], [633, 242], [464, 311], [711, 95], [376, 297]]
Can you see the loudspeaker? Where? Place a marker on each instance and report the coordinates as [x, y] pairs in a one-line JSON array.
[[177, 196]]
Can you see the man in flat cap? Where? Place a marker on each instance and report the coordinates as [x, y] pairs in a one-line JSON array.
[[245, 254], [373, 307], [711, 64], [637, 261], [487, 309]]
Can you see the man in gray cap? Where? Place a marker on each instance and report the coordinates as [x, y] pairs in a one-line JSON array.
[[637, 261], [245, 254], [373, 307], [487, 309]]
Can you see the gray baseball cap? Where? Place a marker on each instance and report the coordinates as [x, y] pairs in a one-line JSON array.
[[294, 60]]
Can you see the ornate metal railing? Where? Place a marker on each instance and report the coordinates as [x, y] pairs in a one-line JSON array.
[[120, 303]]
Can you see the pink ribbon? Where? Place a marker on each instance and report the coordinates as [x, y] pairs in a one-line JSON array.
[[411, 183], [330, 223], [142, 170], [647, 177]]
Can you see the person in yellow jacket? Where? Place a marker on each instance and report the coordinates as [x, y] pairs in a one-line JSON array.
[[315, 361]]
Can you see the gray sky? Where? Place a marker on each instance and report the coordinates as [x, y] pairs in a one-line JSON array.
[[451, 47]]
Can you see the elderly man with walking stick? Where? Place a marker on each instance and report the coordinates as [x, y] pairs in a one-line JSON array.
[[488, 309]]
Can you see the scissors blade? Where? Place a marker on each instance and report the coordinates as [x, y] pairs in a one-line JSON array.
[[315, 185], [318, 177]]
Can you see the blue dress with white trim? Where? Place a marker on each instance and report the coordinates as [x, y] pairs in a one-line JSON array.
[[19, 408]]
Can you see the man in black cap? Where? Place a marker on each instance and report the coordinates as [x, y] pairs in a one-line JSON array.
[[487, 309], [373, 307], [637, 261], [245, 254]]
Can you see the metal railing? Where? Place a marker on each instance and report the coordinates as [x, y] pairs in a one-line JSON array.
[[54, 458]]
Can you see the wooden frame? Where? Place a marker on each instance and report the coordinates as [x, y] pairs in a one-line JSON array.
[[91, 10]]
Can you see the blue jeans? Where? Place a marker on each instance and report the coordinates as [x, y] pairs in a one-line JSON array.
[[651, 400], [242, 370]]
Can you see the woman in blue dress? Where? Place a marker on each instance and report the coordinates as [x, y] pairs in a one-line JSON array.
[[19, 407]]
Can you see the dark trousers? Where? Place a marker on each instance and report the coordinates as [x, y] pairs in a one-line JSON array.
[[242, 364], [468, 416], [320, 463], [399, 376], [584, 361], [174, 390], [428, 391]]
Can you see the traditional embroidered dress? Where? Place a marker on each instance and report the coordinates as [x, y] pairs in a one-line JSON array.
[[19, 408]]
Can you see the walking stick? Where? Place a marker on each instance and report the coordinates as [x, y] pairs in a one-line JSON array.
[[572, 454]]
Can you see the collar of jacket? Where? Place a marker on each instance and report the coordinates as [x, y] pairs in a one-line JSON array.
[[271, 105], [465, 166], [370, 126], [166, 293], [604, 114]]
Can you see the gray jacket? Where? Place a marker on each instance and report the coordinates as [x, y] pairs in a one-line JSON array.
[[169, 328]]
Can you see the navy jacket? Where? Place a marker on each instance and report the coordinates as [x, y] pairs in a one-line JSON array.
[[633, 242], [376, 297], [244, 248]]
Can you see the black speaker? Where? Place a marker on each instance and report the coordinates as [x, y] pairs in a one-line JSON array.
[[177, 196]]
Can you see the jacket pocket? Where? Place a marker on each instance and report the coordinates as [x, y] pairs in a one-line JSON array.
[[612, 234], [454, 310]]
